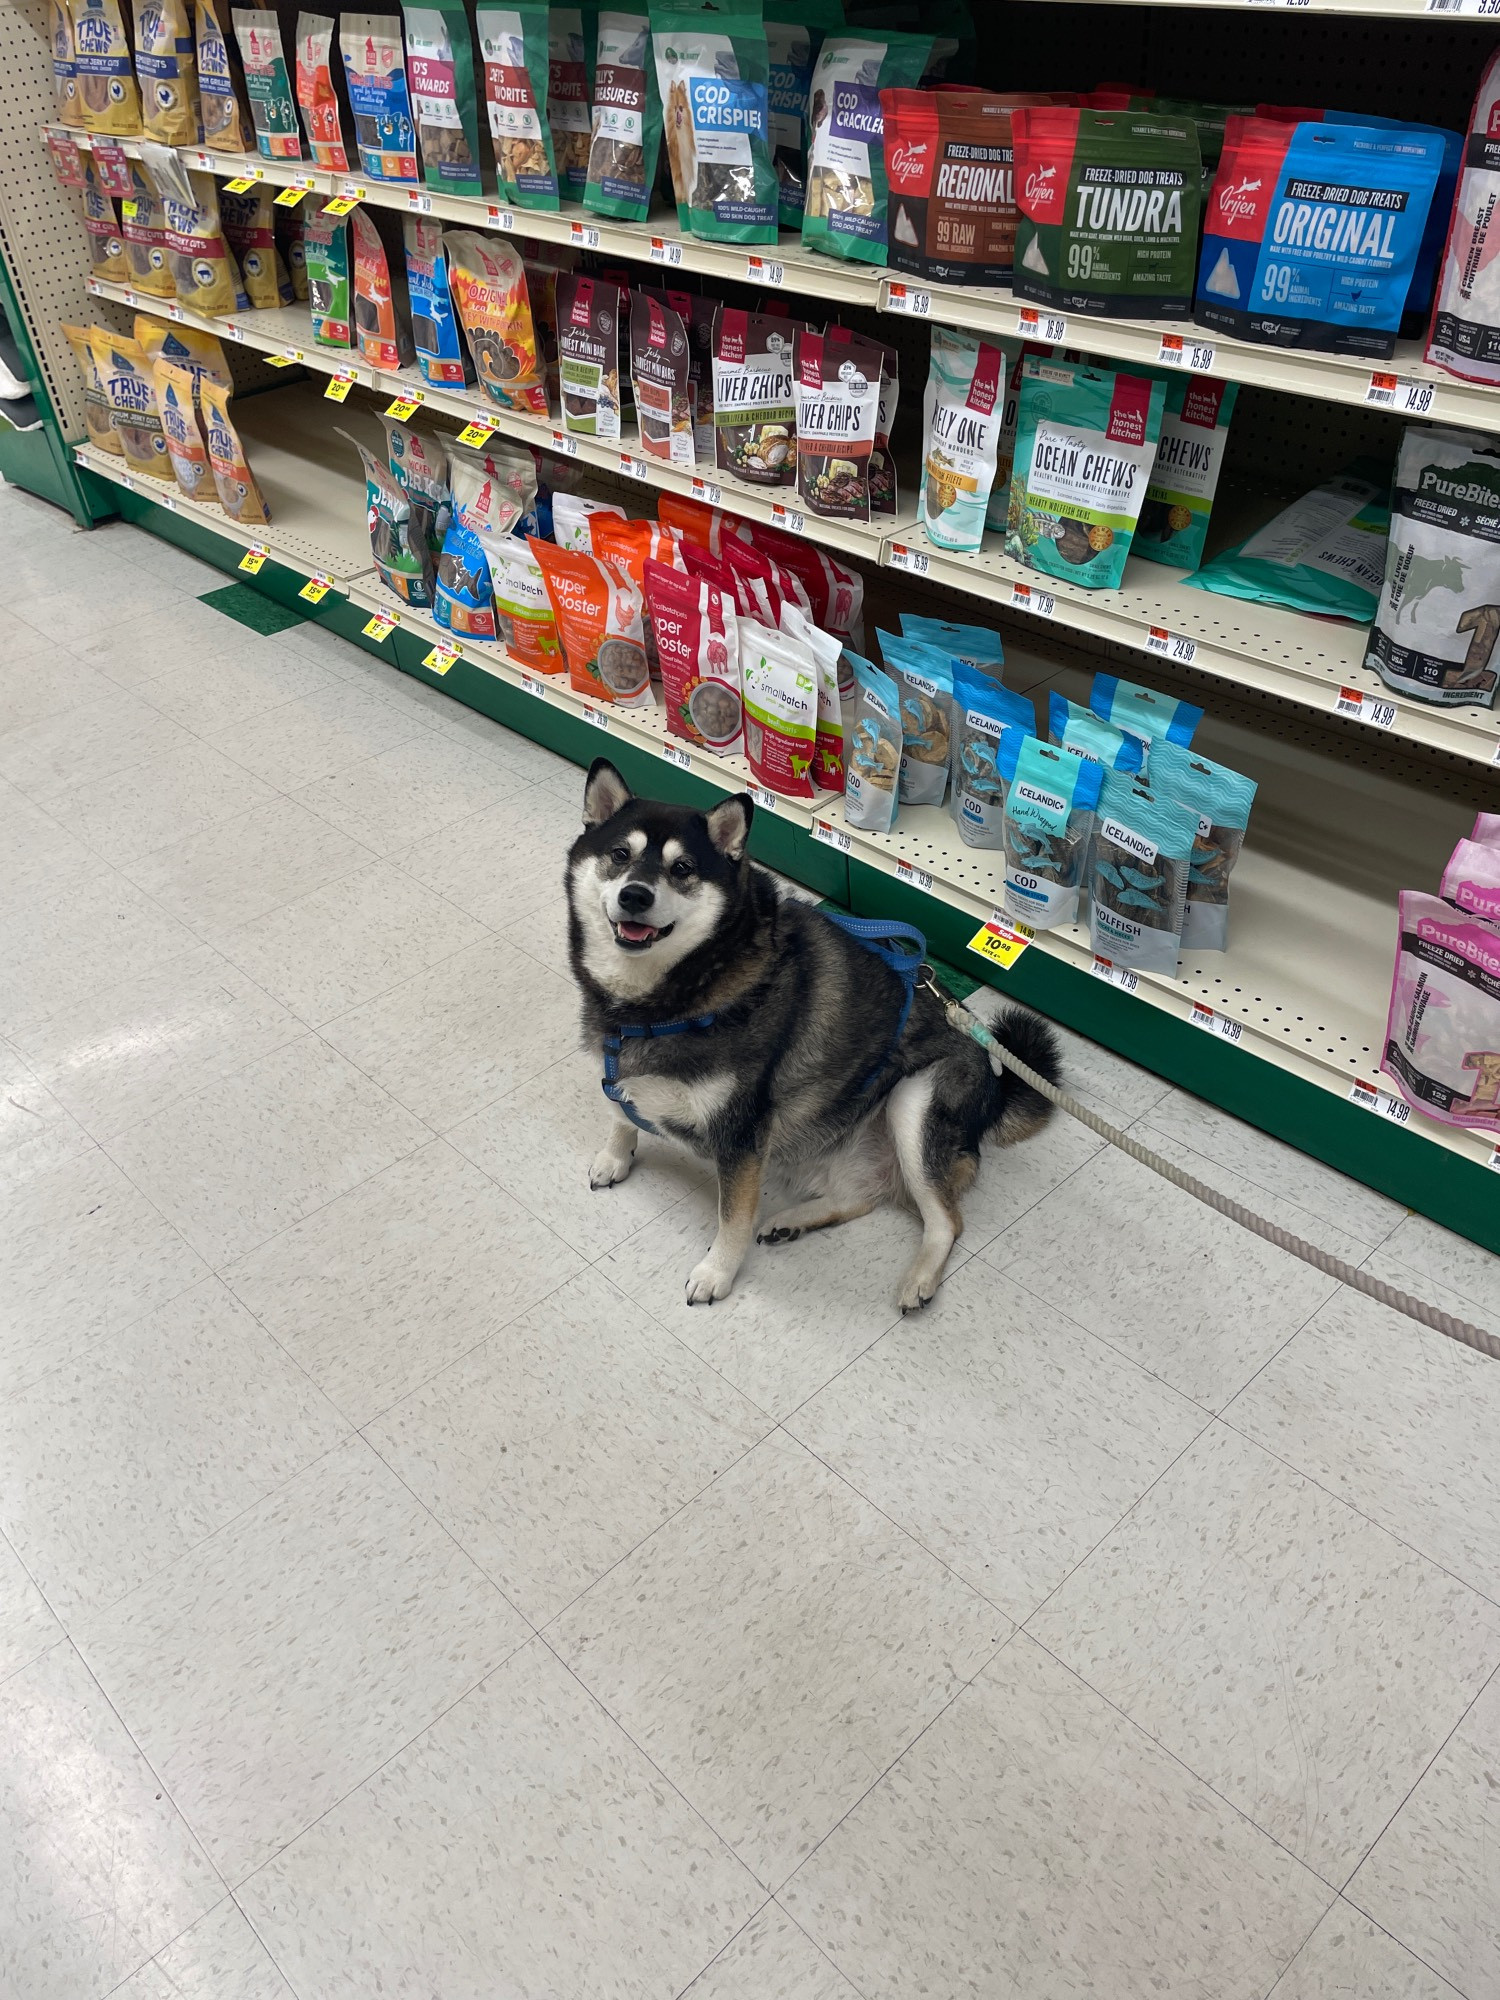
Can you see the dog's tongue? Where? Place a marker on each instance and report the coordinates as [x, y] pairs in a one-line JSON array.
[[637, 933]]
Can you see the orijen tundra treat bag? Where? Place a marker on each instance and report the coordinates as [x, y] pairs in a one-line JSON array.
[[318, 93], [1464, 337], [166, 62]]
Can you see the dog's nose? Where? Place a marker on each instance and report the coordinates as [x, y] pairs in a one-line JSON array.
[[636, 898]]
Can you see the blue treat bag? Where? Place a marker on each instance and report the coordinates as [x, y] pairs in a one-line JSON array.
[[442, 351], [1222, 800], [974, 646], [924, 677], [1081, 733], [1050, 799], [1138, 875], [872, 755], [984, 715], [1142, 712]]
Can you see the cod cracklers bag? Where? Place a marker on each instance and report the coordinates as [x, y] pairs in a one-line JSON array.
[[949, 157], [375, 68], [1312, 233], [513, 48], [1464, 337], [1085, 445], [166, 63], [570, 61], [660, 359], [440, 73], [588, 354], [838, 404], [268, 79], [962, 412], [221, 83], [1108, 205], [712, 70], [102, 67], [755, 414], [1189, 458], [845, 214], [626, 131], [1436, 628], [319, 97], [488, 283]]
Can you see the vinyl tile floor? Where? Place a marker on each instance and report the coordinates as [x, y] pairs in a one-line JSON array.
[[403, 1594]]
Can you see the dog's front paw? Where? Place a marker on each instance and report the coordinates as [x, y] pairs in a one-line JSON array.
[[609, 1168], [708, 1281]]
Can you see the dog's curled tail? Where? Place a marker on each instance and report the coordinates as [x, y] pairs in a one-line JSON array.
[[1018, 1109]]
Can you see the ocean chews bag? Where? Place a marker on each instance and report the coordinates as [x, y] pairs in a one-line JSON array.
[[1436, 629], [626, 132], [1085, 444], [847, 190], [1325, 553], [1442, 1037], [1312, 233], [712, 70], [1173, 527], [1108, 205]]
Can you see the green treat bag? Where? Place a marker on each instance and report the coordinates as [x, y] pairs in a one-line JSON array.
[[845, 214], [571, 36], [713, 74], [440, 76], [625, 136], [793, 45], [325, 253], [1325, 553], [1189, 458], [1085, 445], [515, 50]]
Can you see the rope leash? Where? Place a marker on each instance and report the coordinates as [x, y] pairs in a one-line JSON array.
[[1332, 1267]]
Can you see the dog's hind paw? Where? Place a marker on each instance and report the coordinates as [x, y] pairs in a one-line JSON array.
[[777, 1231], [708, 1281], [609, 1169], [917, 1292]]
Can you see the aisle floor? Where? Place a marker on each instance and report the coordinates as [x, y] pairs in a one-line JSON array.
[[403, 1593]]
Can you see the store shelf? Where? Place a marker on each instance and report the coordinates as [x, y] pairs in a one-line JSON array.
[[1385, 10]]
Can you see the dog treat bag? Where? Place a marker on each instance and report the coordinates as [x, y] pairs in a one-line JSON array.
[[1085, 445], [570, 52], [755, 418], [222, 103], [439, 345], [1465, 334], [176, 405], [1142, 712], [1325, 553], [792, 47], [325, 247], [985, 717], [961, 413], [824, 648], [440, 72], [107, 258], [599, 612], [419, 460], [1083, 734], [626, 130], [144, 230], [1048, 820], [488, 282], [513, 48], [998, 511], [1471, 879], [1312, 233], [949, 155], [1138, 875], [485, 510], [524, 621], [290, 226], [382, 317], [66, 103], [166, 63], [975, 647], [838, 401], [318, 95], [883, 488], [249, 230], [713, 69], [185, 347], [588, 350], [1442, 1037], [203, 270], [99, 430], [1189, 458], [125, 378], [102, 66], [697, 644], [375, 69], [399, 546], [924, 679], [873, 759], [273, 105], [778, 680], [572, 516], [1438, 619], [239, 495], [845, 214], [659, 363], [1222, 800]]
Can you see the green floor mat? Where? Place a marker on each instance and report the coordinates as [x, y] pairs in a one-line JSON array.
[[249, 607]]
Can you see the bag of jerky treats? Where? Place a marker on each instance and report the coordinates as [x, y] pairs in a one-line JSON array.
[[239, 495], [976, 648], [399, 546], [792, 47], [1442, 1037], [514, 50], [382, 313], [626, 130], [273, 107], [1325, 553], [250, 231], [588, 346], [659, 363], [125, 376], [949, 155], [838, 402], [1438, 619], [375, 69], [441, 354], [755, 417], [961, 417], [697, 642], [1142, 712], [325, 246], [873, 758], [318, 94], [1189, 458], [924, 679], [572, 515], [1048, 821], [419, 459], [222, 103], [143, 227], [103, 69], [107, 258], [203, 270], [100, 433], [570, 54], [166, 63], [176, 405], [1138, 875], [1085, 444], [1108, 205], [845, 215], [985, 717], [712, 70], [884, 493], [488, 283], [1083, 734], [66, 103], [1222, 800], [440, 73]]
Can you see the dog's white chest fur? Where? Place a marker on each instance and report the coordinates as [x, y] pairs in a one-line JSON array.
[[666, 1100]]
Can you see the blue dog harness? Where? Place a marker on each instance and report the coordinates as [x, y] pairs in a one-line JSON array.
[[900, 946]]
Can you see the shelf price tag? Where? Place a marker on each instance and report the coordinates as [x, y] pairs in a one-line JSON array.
[[1214, 1023], [1040, 603], [707, 491], [831, 835], [1400, 392], [440, 658], [789, 518], [1115, 975], [172, 310], [130, 210], [405, 405], [477, 431], [300, 188], [633, 468], [1366, 708], [417, 202], [1493, 1162], [663, 252], [1370, 1097], [382, 624], [911, 560], [598, 716], [243, 183], [764, 799], [531, 685], [565, 444], [1481, 7], [501, 218], [764, 271], [584, 236], [111, 168], [1171, 645], [67, 164], [288, 360], [916, 878], [316, 589], [1175, 352], [339, 385], [1001, 943], [908, 299], [1034, 325], [677, 756], [254, 558]]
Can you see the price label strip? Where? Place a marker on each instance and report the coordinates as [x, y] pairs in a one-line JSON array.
[[243, 183], [1115, 975], [316, 589], [832, 836], [405, 406], [1171, 645], [598, 716], [532, 685], [913, 561], [707, 491], [254, 558], [440, 658], [908, 299], [1369, 1097], [1401, 393], [565, 444], [1196, 355], [1366, 708], [1034, 325], [917, 878], [633, 468], [676, 756], [764, 799], [584, 236], [501, 218], [1001, 943], [478, 431], [417, 202], [663, 252], [1040, 603], [764, 271], [382, 625], [1215, 1023], [788, 518], [339, 386], [291, 196]]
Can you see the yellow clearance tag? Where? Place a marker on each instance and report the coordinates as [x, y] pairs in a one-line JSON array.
[[440, 659], [316, 589], [289, 197], [1001, 944], [338, 388], [405, 406], [381, 625], [476, 433], [252, 560], [243, 185], [341, 204], [282, 360], [130, 209]]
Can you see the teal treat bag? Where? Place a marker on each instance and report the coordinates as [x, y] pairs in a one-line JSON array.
[[440, 70], [1081, 733], [626, 132], [845, 215], [793, 45], [985, 716], [1142, 712], [924, 677], [1222, 799], [873, 754], [1189, 458], [1050, 799], [515, 49], [1138, 875], [972, 646], [1325, 553]]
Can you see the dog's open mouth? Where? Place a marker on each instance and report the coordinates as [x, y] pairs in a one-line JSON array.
[[638, 937]]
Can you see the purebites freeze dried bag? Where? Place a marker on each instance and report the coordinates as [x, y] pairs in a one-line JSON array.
[[1442, 1037]]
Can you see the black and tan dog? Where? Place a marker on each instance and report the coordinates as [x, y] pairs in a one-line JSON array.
[[757, 1031]]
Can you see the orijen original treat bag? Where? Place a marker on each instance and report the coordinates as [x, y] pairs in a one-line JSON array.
[[318, 94], [949, 157]]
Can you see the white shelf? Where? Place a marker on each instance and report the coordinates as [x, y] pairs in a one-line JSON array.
[[1385, 10]]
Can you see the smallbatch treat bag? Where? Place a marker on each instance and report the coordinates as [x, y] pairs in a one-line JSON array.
[[1324, 554], [1438, 619], [1185, 477], [1085, 445], [626, 131], [318, 95], [660, 358], [1442, 1038], [513, 48], [440, 74], [755, 416], [570, 57], [588, 351], [375, 68], [949, 157], [273, 105], [712, 72], [792, 47], [166, 62], [961, 418], [778, 683], [838, 403], [824, 649], [1108, 205], [847, 190], [1464, 337]]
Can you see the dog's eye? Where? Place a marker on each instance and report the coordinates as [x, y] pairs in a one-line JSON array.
[[682, 869], [619, 855]]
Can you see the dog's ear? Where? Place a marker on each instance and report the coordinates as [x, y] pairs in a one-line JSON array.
[[729, 825], [604, 792]]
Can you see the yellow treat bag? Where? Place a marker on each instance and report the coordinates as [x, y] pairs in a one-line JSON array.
[[176, 406], [101, 432], [251, 234], [145, 233], [102, 65], [128, 389], [222, 102], [202, 266], [239, 495], [186, 347], [107, 259], [166, 61], [67, 102]]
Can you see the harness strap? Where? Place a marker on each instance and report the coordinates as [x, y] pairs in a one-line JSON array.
[[611, 1085]]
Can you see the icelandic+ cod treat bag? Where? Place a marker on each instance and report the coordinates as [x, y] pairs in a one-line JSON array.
[[986, 717], [1083, 734], [440, 74], [1138, 875], [845, 215], [375, 69], [626, 129], [1142, 712], [924, 683], [513, 47], [873, 762], [712, 70], [1047, 820]]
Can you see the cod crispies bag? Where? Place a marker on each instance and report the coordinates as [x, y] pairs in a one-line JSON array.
[[1312, 233], [755, 417], [513, 48], [949, 155], [318, 95], [626, 129], [440, 73], [1442, 1037], [273, 108], [1189, 458], [375, 68], [845, 215], [1108, 205], [1465, 334], [962, 412], [712, 70]]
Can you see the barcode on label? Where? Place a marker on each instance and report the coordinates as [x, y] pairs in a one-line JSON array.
[[1196, 355], [762, 271], [907, 299], [1116, 975], [1366, 708], [918, 877], [1033, 325], [531, 684], [831, 836], [1216, 1023], [564, 443], [706, 490], [676, 756], [788, 517], [764, 799], [1171, 645], [585, 236], [419, 202], [1481, 8], [595, 715], [1040, 603], [501, 218], [1369, 1098], [663, 252], [911, 560], [633, 468]]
